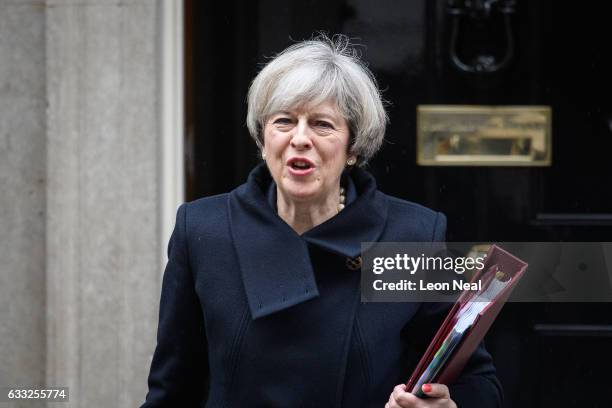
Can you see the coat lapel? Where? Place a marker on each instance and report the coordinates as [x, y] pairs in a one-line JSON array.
[[274, 259]]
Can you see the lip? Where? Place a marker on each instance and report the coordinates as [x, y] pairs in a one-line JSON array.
[[300, 172]]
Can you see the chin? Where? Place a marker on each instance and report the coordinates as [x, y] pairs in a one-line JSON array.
[[300, 193]]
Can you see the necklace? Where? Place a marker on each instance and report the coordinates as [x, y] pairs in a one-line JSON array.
[[342, 199]]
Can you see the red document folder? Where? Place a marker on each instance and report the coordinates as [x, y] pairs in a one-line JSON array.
[[497, 260]]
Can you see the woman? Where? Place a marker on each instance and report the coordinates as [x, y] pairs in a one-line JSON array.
[[260, 304]]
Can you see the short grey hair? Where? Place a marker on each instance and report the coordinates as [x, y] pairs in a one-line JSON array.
[[314, 71]]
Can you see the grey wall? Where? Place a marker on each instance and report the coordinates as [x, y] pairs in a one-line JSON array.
[[22, 194], [79, 197]]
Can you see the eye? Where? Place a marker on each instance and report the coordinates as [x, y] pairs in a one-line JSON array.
[[324, 124], [282, 121]]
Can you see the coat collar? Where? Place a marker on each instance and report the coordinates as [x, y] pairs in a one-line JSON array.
[[274, 259]]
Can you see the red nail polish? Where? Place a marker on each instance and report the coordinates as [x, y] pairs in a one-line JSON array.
[[426, 387]]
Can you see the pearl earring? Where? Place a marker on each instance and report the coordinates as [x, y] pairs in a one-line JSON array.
[[351, 161], [263, 155]]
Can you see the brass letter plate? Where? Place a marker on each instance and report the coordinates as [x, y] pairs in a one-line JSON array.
[[463, 135]]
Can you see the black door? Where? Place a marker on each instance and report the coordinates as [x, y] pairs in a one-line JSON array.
[[548, 355]]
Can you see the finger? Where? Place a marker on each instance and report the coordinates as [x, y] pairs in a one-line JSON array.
[[408, 400], [398, 390], [400, 398], [435, 390], [391, 402]]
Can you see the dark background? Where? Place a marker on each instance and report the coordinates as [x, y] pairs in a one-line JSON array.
[[547, 355]]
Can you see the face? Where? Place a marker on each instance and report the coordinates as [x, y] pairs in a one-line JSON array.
[[306, 151]]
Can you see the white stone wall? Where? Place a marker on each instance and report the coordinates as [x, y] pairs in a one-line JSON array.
[[80, 197], [22, 195]]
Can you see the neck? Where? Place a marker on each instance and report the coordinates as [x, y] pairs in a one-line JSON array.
[[305, 215]]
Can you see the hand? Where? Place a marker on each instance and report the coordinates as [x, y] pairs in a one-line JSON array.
[[438, 397]]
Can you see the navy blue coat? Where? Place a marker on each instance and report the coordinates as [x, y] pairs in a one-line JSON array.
[[254, 315]]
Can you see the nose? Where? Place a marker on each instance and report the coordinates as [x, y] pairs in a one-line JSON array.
[[300, 139]]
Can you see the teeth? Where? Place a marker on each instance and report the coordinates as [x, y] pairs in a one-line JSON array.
[[301, 164]]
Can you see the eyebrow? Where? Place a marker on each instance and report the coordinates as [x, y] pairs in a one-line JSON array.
[[323, 115], [315, 115]]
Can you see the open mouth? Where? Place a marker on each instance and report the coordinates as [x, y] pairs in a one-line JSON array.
[[300, 165]]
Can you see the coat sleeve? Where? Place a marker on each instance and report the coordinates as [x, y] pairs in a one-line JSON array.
[[478, 385], [179, 370]]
